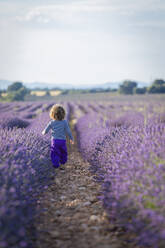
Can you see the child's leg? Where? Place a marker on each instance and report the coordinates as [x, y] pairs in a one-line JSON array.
[[55, 153], [63, 153]]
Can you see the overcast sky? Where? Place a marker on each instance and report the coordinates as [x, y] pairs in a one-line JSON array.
[[82, 41]]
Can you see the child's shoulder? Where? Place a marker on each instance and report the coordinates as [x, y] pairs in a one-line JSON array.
[[57, 121], [65, 121]]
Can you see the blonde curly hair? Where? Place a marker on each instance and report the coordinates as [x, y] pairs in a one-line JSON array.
[[57, 112]]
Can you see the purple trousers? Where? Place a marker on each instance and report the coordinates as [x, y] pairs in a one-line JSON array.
[[58, 152]]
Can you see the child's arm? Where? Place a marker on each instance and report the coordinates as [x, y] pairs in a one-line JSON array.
[[48, 127], [68, 131]]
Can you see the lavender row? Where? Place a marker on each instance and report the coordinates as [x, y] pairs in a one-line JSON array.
[[127, 155], [25, 170]]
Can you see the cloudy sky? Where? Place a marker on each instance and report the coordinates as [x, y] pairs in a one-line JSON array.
[[82, 41]]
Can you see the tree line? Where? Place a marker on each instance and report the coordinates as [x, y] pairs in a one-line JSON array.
[[17, 91], [130, 87]]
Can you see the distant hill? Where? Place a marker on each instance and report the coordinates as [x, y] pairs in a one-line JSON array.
[[43, 85], [5, 83]]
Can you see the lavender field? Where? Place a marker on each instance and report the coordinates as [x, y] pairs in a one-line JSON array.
[[122, 138]]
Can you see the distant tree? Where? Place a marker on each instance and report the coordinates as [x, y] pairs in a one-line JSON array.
[[15, 86], [156, 89], [113, 90], [47, 93], [95, 90], [16, 92], [101, 90], [127, 87], [23, 91], [65, 92], [159, 82], [140, 90], [158, 86], [16, 95]]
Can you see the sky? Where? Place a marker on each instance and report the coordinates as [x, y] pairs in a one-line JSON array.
[[82, 41]]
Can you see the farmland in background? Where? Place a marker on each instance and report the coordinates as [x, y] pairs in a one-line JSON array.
[[43, 92]]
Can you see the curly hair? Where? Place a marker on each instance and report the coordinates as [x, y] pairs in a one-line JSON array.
[[57, 112]]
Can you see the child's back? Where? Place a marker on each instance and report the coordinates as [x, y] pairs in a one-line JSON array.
[[59, 129]]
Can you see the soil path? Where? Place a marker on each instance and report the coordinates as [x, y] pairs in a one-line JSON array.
[[73, 216]]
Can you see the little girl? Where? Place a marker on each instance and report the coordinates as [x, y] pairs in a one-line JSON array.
[[59, 128]]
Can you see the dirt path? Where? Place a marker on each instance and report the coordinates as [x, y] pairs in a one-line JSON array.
[[73, 216]]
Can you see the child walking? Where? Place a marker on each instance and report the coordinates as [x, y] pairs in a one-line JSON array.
[[60, 128]]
